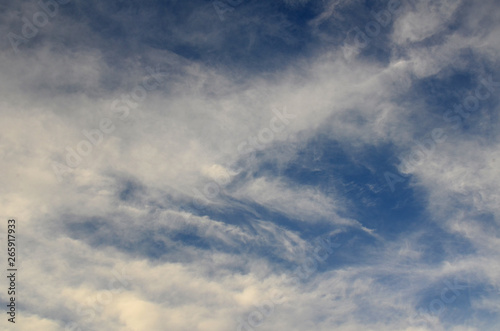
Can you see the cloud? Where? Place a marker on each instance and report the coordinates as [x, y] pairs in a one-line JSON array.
[[119, 243]]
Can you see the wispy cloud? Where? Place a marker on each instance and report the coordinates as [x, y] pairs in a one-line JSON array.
[[258, 138]]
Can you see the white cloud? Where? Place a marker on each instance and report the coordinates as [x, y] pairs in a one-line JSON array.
[[186, 134]]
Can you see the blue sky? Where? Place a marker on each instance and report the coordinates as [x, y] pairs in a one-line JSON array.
[[252, 165]]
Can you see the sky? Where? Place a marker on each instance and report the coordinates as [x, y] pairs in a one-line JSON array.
[[251, 165]]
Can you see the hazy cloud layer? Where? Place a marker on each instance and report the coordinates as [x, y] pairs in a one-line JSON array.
[[235, 165]]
